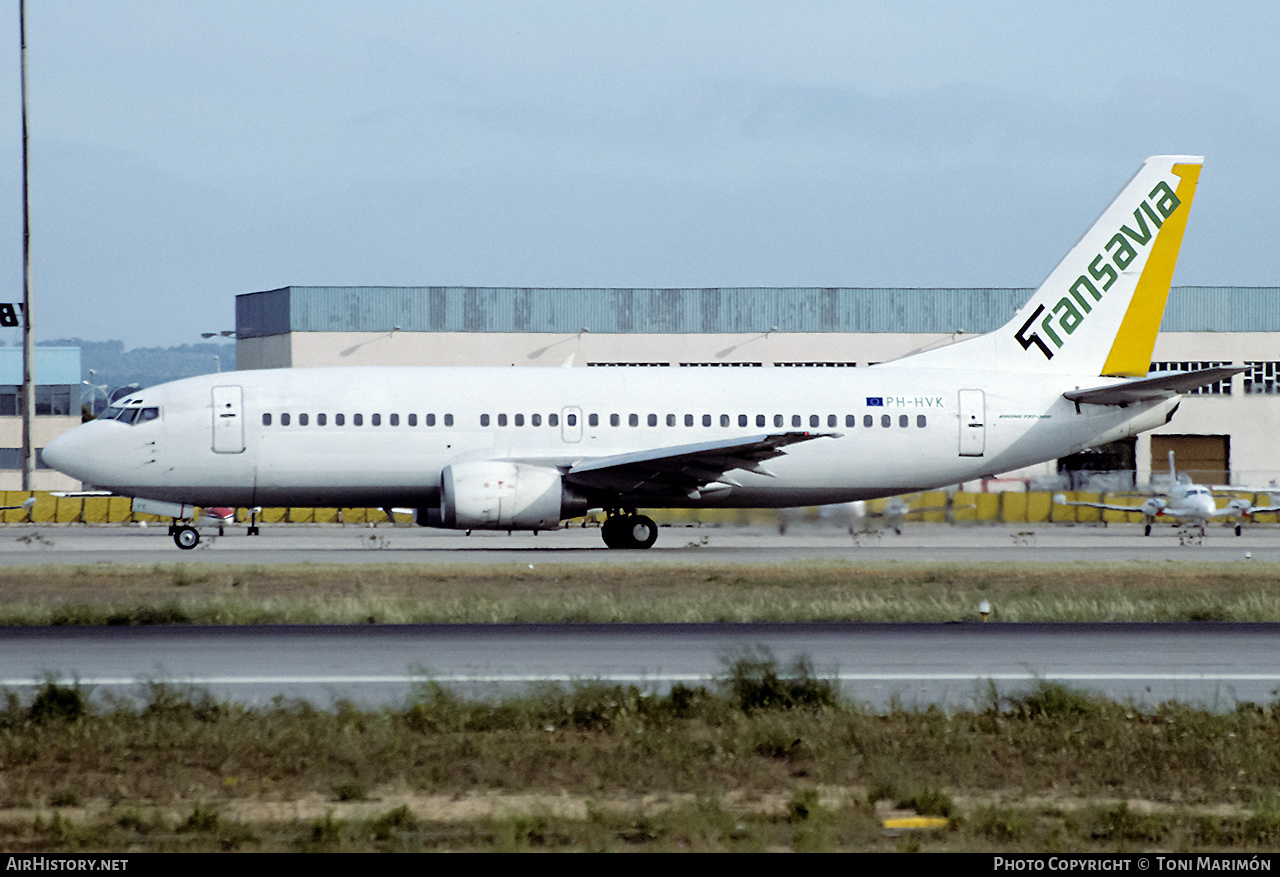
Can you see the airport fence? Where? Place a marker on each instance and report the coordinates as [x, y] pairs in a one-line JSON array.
[[937, 507]]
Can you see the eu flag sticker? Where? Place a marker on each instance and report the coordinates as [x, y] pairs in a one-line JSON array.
[[875, 401]]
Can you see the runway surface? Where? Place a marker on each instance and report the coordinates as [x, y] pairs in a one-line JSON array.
[[76, 544], [955, 665], [951, 665]]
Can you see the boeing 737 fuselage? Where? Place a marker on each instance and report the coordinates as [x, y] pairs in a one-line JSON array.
[[524, 449]]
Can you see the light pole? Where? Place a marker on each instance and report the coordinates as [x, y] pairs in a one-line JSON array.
[[28, 340], [101, 388], [225, 333]]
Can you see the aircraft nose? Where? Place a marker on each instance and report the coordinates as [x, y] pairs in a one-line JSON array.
[[72, 452]]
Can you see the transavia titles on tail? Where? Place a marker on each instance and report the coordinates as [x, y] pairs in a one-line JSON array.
[[524, 449]]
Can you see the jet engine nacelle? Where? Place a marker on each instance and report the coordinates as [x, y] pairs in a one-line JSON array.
[[491, 495]]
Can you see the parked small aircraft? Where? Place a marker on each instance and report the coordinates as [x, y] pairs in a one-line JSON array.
[[1188, 502], [27, 505], [860, 516]]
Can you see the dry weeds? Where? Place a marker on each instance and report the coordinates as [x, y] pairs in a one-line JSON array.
[[666, 591]]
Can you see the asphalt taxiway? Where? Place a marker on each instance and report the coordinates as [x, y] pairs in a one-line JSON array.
[[301, 543]]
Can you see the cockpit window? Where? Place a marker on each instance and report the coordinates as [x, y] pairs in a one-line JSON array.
[[129, 415]]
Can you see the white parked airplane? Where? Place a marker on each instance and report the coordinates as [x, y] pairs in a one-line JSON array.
[[857, 517], [1185, 501], [524, 449]]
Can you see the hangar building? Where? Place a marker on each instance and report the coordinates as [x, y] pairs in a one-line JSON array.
[[57, 378], [1224, 433]]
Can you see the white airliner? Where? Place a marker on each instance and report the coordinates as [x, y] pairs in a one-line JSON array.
[[1186, 501], [525, 449]]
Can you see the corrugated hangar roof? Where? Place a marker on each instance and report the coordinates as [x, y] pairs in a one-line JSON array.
[[703, 311]]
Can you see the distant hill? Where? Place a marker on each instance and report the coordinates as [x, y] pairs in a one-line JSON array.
[[146, 366]]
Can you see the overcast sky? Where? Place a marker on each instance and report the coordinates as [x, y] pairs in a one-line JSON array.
[[182, 153]]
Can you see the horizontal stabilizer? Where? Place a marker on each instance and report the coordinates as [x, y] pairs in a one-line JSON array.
[[1151, 389]]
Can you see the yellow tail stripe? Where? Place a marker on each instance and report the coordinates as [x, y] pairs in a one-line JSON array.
[[1130, 354]]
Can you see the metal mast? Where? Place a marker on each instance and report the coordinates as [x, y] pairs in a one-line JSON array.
[[28, 343]]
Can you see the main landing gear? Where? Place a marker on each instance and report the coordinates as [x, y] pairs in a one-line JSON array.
[[629, 530]]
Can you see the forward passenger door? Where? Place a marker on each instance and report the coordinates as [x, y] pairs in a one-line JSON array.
[[228, 420]]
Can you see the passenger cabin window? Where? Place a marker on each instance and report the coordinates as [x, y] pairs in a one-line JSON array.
[[375, 420], [519, 420], [431, 420], [339, 420], [448, 420], [357, 420], [266, 420], [534, 420], [302, 420], [322, 419], [413, 420], [554, 419], [484, 419], [867, 420], [395, 420], [592, 420]]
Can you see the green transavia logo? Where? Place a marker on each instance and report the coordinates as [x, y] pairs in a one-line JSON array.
[[1117, 255]]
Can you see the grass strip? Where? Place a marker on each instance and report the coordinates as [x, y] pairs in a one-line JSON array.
[[766, 759], [662, 592]]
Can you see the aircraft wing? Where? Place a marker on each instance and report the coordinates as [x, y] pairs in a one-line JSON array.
[[1256, 510], [1161, 386], [685, 469], [1061, 499]]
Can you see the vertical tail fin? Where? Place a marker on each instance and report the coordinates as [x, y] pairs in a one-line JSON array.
[[1099, 311]]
